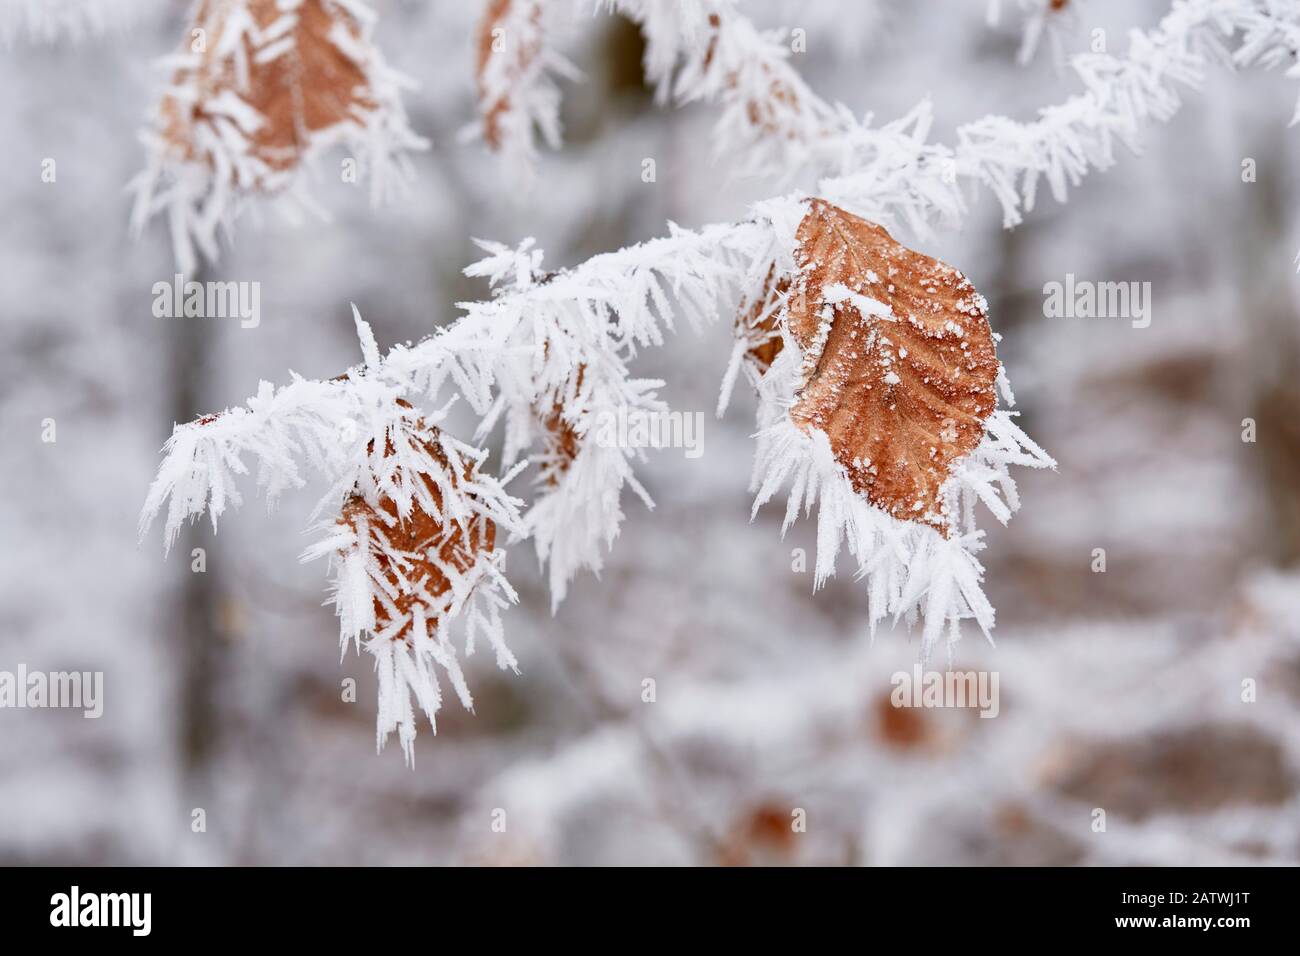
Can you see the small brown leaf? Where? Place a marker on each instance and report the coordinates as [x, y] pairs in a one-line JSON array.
[[902, 728], [763, 114], [307, 89], [899, 361], [560, 442], [762, 834], [560, 446], [492, 43], [420, 538], [756, 321]]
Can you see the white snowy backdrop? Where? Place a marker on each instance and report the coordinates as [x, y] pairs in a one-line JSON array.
[[1120, 690]]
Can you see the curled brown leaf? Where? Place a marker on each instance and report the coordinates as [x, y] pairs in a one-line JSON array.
[[899, 360]]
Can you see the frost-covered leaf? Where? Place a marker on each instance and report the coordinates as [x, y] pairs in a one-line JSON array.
[[296, 78], [560, 441], [515, 67], [409, 565], [421, 554], [899, 362], [259, 87], [493, 57], [756, 323]]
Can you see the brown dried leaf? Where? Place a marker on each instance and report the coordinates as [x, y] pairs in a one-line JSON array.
[[902, 392], [756, 321], [310, 88], [560, 441], [419, 536], [561, 446], [492, 43], [763, 115], [762, 834], [902, 728]]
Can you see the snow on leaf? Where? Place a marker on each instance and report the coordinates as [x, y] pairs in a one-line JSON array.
[[296, 79], [260, 86], [899, 361], [418, 556], [514, 72], [560, 441], [408, 565], [494, 99]]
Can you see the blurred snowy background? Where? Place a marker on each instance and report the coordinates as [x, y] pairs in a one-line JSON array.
[[1120, 690]]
